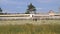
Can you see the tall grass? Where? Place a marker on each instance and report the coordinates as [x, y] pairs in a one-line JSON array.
[[30, 29], [52, 28]]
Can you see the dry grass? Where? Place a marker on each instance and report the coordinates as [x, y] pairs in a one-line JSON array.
[[53, 27]]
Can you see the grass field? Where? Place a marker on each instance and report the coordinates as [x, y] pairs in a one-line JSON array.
[[19, 22], [30, 27]]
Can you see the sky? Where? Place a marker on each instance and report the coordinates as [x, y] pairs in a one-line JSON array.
[[20, 6]]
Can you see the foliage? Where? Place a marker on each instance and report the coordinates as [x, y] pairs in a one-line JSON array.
[[30, 9], [1, 11]]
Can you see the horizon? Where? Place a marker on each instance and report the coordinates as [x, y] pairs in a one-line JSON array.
[[20, 6]]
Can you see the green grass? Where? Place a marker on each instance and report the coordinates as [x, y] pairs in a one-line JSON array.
[[52, 28]]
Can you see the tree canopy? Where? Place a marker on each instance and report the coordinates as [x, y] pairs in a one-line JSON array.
[[31, 9], [0, 10]]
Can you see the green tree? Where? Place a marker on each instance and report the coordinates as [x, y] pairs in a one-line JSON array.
[[31, 9], [0, 11]]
